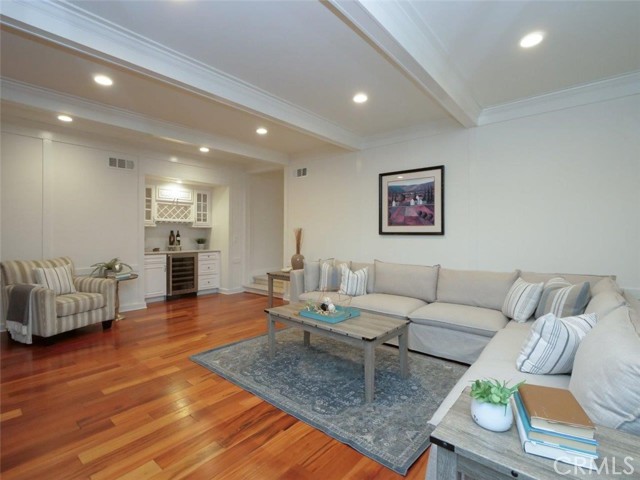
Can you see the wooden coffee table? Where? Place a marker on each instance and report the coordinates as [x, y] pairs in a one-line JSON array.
[[366, 331]]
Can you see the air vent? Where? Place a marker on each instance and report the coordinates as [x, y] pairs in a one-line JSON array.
[[301, 172], [121, 163]]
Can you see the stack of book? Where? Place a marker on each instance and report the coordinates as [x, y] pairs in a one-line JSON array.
[[122, 275], [552, 424]]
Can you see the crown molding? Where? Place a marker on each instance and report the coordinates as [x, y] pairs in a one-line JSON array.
[[609, 89], [71, 26], [49, 100], [395, 28]]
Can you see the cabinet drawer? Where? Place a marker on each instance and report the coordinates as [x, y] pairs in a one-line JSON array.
[[208, 257], [155, 259], [209, 267], [208, 281]]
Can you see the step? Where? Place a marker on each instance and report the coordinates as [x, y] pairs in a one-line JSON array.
[[263, 290]]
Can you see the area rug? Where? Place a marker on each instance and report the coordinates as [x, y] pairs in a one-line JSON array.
[[323, 385]]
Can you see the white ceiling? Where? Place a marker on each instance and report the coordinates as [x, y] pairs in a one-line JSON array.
[[189, 72]]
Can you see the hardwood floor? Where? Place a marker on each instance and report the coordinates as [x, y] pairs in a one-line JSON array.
[[128, 403]]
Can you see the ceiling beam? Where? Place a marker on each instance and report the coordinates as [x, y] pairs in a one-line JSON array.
[[397, 30], [70, 26], [36, 97]]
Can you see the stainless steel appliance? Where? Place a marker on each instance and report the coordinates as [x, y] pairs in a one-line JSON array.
[[183, 273]]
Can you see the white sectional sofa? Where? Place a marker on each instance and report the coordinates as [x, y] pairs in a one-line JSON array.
[[457, 315]]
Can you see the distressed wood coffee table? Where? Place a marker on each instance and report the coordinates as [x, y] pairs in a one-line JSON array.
[[366, 331]]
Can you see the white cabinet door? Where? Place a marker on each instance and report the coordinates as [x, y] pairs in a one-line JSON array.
[[149, 206], [202, 217], [208, 270], [155, 275]]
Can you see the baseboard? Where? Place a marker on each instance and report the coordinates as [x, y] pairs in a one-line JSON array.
[[208, 292], [231, 291], [133, 306]]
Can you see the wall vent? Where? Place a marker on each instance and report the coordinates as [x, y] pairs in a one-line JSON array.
[[301, 172], [121, 163]]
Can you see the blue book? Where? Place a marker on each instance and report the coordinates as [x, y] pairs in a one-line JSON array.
[[554, 439]]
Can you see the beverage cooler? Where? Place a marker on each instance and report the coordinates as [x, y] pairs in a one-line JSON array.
[[183, 273]]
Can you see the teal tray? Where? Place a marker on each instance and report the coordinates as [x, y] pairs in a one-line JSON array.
[[341, 314]]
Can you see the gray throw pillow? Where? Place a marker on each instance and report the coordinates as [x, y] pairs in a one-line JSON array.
[[563, 299], [311, 275]]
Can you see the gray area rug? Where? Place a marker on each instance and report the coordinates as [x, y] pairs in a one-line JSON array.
[[323, 385]]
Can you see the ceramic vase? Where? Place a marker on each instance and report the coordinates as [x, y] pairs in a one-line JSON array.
[[297, 261], [493, 417]]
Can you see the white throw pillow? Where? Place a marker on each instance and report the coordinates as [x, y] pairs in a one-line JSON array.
[[522, 300], [551, 345], [353, 283], [58, 279]]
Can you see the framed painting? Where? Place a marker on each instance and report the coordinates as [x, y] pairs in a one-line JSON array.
[[412, 202]]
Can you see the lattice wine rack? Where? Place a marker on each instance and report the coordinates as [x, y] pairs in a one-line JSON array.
[[171, 212]]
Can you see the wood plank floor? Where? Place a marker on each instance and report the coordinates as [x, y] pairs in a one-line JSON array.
[[128, 403]]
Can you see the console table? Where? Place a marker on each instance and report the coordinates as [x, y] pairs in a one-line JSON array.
[[271, 276], [465, 447]]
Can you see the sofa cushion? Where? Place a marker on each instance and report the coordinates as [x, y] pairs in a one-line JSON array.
[[79, 302], [21, 271], [606, 372], [605, 302], [604, 285], [552, 343], [475, 288], [394, 305], [563, 299], [572, 278], [370, 273], [59, 279], [353, 283], [522, 300], [465, 318], [417, 281]]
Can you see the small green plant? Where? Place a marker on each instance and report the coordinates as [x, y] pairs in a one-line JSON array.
[[114, 264], [492, 391], [201, 241]]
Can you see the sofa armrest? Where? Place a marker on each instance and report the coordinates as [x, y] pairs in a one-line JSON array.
[[44, 312], [296, 285], [105, 286]]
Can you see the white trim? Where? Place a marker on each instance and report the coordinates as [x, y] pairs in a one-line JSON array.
[[231, 291], [71, 26], [609, 89], [22, 93], [397, 29], [133, 306]]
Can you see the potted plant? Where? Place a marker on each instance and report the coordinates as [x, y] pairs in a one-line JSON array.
[[103, 268], [201, 242], [490, 407]]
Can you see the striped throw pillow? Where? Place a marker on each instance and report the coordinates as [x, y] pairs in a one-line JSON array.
[[326, 277], [552, 343], [563, 299], [522, 300], [58, 279], [353, 283]]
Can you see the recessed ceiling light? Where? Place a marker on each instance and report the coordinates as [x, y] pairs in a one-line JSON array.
[[103, 80], [173, 159], [204, 149], [399, 177], [532, 39], [178, 181], [262, 131], [360, 97], [65, 118]]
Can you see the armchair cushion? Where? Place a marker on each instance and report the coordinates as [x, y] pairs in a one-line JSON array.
[[58, 279], [79, 302]]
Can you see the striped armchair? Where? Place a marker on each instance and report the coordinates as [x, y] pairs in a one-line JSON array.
[[93, 302]]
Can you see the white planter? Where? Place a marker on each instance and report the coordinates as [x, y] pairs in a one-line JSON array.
[[496, 418]]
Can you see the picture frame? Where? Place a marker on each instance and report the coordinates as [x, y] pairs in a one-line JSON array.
[[412, 202]]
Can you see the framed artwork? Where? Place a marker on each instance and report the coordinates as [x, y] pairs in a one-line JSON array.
[[412, 202]]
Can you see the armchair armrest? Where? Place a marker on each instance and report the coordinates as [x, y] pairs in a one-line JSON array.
[[43, 313], [296, 285], [105, 286]]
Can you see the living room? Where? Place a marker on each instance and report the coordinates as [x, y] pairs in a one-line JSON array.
[[546, 181]]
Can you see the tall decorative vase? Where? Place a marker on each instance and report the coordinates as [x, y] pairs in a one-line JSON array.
[[297, 260]]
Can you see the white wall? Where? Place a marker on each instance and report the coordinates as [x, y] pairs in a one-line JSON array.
[[265, 222], [557, 192]]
